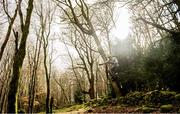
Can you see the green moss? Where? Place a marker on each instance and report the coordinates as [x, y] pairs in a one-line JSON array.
[[134, 98], [152, 98], [147, 109], [166, 97], [168, 93], [177, 97], [158, 98], [166, 108], [97, 102]]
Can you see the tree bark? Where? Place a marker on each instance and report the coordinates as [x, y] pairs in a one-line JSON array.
[[33, 79], [47, 79], [51, 105], [18, 61], [91, 90]]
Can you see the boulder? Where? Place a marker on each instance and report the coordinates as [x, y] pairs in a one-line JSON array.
[[166, 108]]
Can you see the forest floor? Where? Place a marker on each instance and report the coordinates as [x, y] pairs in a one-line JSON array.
[[80, 109], [134, 102]]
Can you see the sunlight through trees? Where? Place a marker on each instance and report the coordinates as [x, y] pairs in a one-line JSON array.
[[87, 55]]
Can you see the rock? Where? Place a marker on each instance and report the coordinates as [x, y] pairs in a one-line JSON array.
[[148, 109], [177, 98], [145, 109], [167, 97], [134, 98], [158, 98], [166, 108]]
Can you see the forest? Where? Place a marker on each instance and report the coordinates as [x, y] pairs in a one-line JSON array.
[[89, 56]]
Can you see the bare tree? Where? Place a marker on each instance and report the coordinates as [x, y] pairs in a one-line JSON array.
[[80, 16], [19, 58], [33, 78], [11, 22], [5, 79], [45, 27]]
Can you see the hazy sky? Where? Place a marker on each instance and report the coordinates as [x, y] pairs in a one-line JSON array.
[[122, 28]]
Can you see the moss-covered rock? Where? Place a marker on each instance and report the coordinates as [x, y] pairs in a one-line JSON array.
[[166, 108], [152, 98], [147, 109], [177, 97], [167, 97], [158, 98], [134, 98], [168, 93], [97, 102]]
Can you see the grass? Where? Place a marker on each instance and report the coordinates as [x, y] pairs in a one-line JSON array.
[[71, 108], [68, 109]]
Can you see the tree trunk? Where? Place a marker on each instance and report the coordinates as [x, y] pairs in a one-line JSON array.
[[12, 96], [51, 105], [47, 78], [32, 94], [47, 84], [116, 88], [47, 98], [32, 84], [103, 55], [91, 90], [17, 65]]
